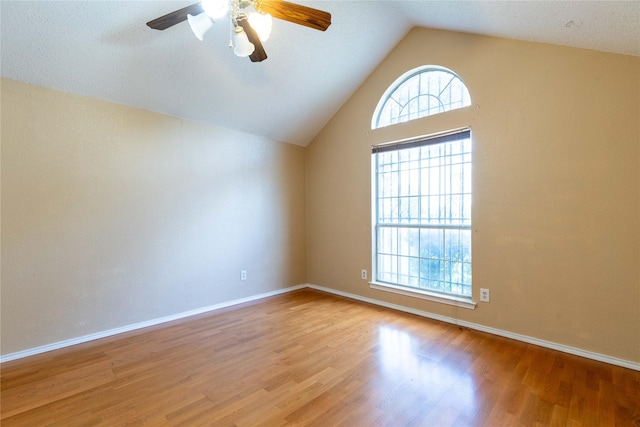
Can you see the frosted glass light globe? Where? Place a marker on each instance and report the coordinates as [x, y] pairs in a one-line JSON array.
[[215, 8], [261, 22]]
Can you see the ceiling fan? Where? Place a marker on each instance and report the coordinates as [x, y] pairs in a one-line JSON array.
[[250, 21]]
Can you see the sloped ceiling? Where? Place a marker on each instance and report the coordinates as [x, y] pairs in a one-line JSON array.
[[103, 49]]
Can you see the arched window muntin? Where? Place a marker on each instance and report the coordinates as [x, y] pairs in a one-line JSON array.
[[420, 92]]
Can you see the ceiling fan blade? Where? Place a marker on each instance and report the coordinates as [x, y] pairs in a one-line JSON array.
[[298, 14], [175, 17], [258, 54]]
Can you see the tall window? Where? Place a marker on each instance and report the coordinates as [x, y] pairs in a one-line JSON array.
[[422, 192], [421, 92], [422, 213]]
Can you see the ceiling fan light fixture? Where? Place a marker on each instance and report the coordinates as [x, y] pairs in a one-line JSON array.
[[247, 35], [262, 23], [199, 24], [241, 45], [215, 8]]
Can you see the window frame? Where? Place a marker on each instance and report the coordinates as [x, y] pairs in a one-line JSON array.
[[397, 84], [432, 295]]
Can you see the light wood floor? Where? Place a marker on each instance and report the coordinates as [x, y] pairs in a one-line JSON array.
[[309, 358]]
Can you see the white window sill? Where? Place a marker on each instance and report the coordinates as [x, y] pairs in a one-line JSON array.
[[423, 294]]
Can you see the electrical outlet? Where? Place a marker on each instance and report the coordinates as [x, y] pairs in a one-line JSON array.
[[363, 274], [243, 275], [484, 295]]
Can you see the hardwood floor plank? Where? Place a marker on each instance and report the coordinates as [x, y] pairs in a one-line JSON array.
[[308, 358], [50, 389]]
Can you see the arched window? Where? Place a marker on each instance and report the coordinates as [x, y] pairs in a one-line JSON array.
[[421, 193], [421, 92]]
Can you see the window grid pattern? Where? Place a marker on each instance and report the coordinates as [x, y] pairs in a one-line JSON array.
[[423, 224], [427, 92]]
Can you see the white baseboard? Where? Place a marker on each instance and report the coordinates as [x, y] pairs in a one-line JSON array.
[[542, 343], [128, 328], [470, 325]]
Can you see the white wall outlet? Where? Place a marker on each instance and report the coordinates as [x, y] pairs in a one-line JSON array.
[[243, 275], [363, 274], [484, 295]]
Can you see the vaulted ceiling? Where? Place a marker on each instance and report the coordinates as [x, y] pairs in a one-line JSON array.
[[104, 50]]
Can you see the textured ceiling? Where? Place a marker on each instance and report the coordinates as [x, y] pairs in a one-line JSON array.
[[104, 50]]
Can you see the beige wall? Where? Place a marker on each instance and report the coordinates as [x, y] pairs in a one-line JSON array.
[[113, 216], [556, 201]]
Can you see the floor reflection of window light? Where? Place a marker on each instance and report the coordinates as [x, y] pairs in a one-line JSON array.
[[400, 358]]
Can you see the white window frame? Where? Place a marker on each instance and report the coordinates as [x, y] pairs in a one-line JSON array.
[[446, 298], [408, 105]]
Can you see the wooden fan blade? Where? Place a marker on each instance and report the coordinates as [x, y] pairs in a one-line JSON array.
[[258, 54], [298, 14], [175, 17]]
